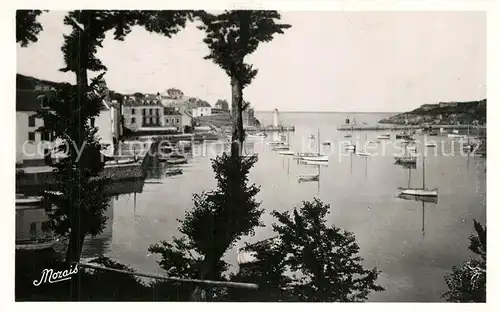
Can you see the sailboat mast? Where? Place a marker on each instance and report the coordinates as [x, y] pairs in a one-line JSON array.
[[319, 147], [423, 171], [409, 176], [423, 219]]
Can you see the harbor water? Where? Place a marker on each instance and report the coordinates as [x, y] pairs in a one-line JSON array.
[[414, 244]]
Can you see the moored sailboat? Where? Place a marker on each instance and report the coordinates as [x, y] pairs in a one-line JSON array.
[[423, 191]]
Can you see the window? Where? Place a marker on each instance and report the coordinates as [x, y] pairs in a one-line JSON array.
[[149, 120], [132, 120], [151, 111], [133, 111], [177, 120], [143, 120], [157, 112], [42, 103], [92, 122], [31, 136], [167, 120], [165, 111], [144, 111], [31, 121], [33, 228], [157, 120]]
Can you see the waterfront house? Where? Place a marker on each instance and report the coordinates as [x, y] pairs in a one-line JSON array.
[[35, 147], [172, 118]]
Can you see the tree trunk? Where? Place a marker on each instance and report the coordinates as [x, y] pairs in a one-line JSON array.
[[238, 135]]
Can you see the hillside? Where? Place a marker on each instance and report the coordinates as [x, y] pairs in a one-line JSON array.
[[442, 113]]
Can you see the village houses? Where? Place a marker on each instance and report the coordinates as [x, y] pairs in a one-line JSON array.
[[34, 148]]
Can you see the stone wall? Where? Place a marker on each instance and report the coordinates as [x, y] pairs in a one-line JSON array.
[[111, 172]]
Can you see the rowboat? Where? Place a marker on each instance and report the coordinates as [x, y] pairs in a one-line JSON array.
[[431, 144], [177, 161], [173, 171], [327, 142], [308, 177], [384, 137], [363, 154], [286, 152], [315, 158]]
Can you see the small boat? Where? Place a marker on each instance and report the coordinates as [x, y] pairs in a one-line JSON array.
[[308, 177], [348, 136], [363, 154], [272, 143], [177, 161], [384, 137], [321, 158], [427, 199], [374, 141], [431, 144], [153, 181], [350, 147], [434, 133], [312, 136], [281, 147], [173, 171], [420, 192], [36, 244], [257, 135], [176, 156], [327, 142], [22, 200], [288, 152]]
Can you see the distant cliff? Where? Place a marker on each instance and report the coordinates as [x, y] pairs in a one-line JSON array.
[[442, 113]]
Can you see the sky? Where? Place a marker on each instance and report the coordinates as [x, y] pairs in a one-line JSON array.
[[327, 61]]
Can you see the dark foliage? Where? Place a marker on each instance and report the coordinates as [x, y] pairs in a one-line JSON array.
[[310, 261], [467, 282], [219, 218], [231, 36], [27, 26]]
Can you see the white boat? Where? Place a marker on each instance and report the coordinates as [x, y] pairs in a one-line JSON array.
[[384, 137], [28, 200], [363, 154], [350, 147], [431, 144], [315, 158], [374, 141], [420, 192], [308, 177], [327, 142], [256, 135], [286, 152]]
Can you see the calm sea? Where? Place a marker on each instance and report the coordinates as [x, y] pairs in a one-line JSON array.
[[414, 244]]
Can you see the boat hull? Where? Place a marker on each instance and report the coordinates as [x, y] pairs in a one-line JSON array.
[[420, 192], [315, 158]]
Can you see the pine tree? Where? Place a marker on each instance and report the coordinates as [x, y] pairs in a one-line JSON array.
[[231, 36], [310, 261]]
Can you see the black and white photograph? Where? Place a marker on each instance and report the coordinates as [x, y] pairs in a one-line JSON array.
[[249, 155]]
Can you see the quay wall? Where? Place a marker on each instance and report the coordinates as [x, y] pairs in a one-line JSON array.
[[401, 127], [113, 173]]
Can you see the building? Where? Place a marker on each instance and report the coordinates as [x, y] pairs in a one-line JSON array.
[[201, 109], [153, 113], [34, 147]]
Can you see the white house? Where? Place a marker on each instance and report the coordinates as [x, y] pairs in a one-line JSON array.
[[33, 146], [200, 111]]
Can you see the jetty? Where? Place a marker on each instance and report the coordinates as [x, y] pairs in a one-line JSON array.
[[393, 127]]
